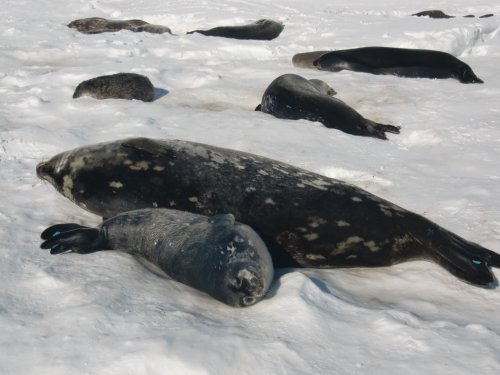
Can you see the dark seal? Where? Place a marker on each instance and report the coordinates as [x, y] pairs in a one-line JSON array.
[[304, 218], [216, 255], [403, 62], [118, 86], [96, 25], [432, 14], [291, 96], [259, 30]]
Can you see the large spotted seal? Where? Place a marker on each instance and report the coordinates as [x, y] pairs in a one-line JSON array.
[[304, 218], [118, 86], [96, 25], [403, 62], [260, 30], [217, 255], [291, 96]]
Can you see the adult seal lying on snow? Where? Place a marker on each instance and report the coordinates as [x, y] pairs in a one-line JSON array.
[[259, 30], [441, 14], [291, 96], [432, 14], [96, 25], [118, 86], [216, 255], [304, 218], [403, 62]]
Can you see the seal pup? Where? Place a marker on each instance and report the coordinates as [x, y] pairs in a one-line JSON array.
[[291, 96], [260, 30], [118, 86], [402, 62], [305, 219], [216, 255], [96, 25]]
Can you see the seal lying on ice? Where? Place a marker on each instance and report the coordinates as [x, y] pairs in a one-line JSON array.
[[305, 219], [291, 96], [403, 62], [118, 86], [216, 255], [96, 25], [259, 30]]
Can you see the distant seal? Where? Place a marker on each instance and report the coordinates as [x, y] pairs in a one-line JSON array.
[[291, 96], [118, 86], [304, 218], [432, 14], [96, 25], [216, 255], [403, 62], [260, 30]]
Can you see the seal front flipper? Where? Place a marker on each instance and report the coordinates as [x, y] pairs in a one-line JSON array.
[[61, 238], [59, 228]]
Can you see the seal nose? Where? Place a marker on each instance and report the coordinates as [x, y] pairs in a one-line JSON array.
[[245, 284], [248, 286], [44, 170]]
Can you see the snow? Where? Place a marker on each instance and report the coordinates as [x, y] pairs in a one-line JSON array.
[[105, 313]]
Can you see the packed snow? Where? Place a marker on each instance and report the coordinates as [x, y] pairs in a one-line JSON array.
[[105, 313]]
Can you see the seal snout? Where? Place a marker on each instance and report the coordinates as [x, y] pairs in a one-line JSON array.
[[44, 170], [248, 285]]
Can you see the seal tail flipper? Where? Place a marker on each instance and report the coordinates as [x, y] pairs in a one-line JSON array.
[[389, 128], [378, 130], [61, 238], [466, 260]]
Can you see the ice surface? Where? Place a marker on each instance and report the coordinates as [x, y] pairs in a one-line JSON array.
[[104, 313]]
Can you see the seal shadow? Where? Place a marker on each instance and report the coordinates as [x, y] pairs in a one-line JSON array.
[[159, 93], [279, 272], [320, 284]]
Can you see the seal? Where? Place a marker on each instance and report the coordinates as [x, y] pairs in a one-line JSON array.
[[291, 96], [441, 14], [432, 14], [260, 30], [402, 62], [118, 86], [305, 219], [97, 25], [216, 255]]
